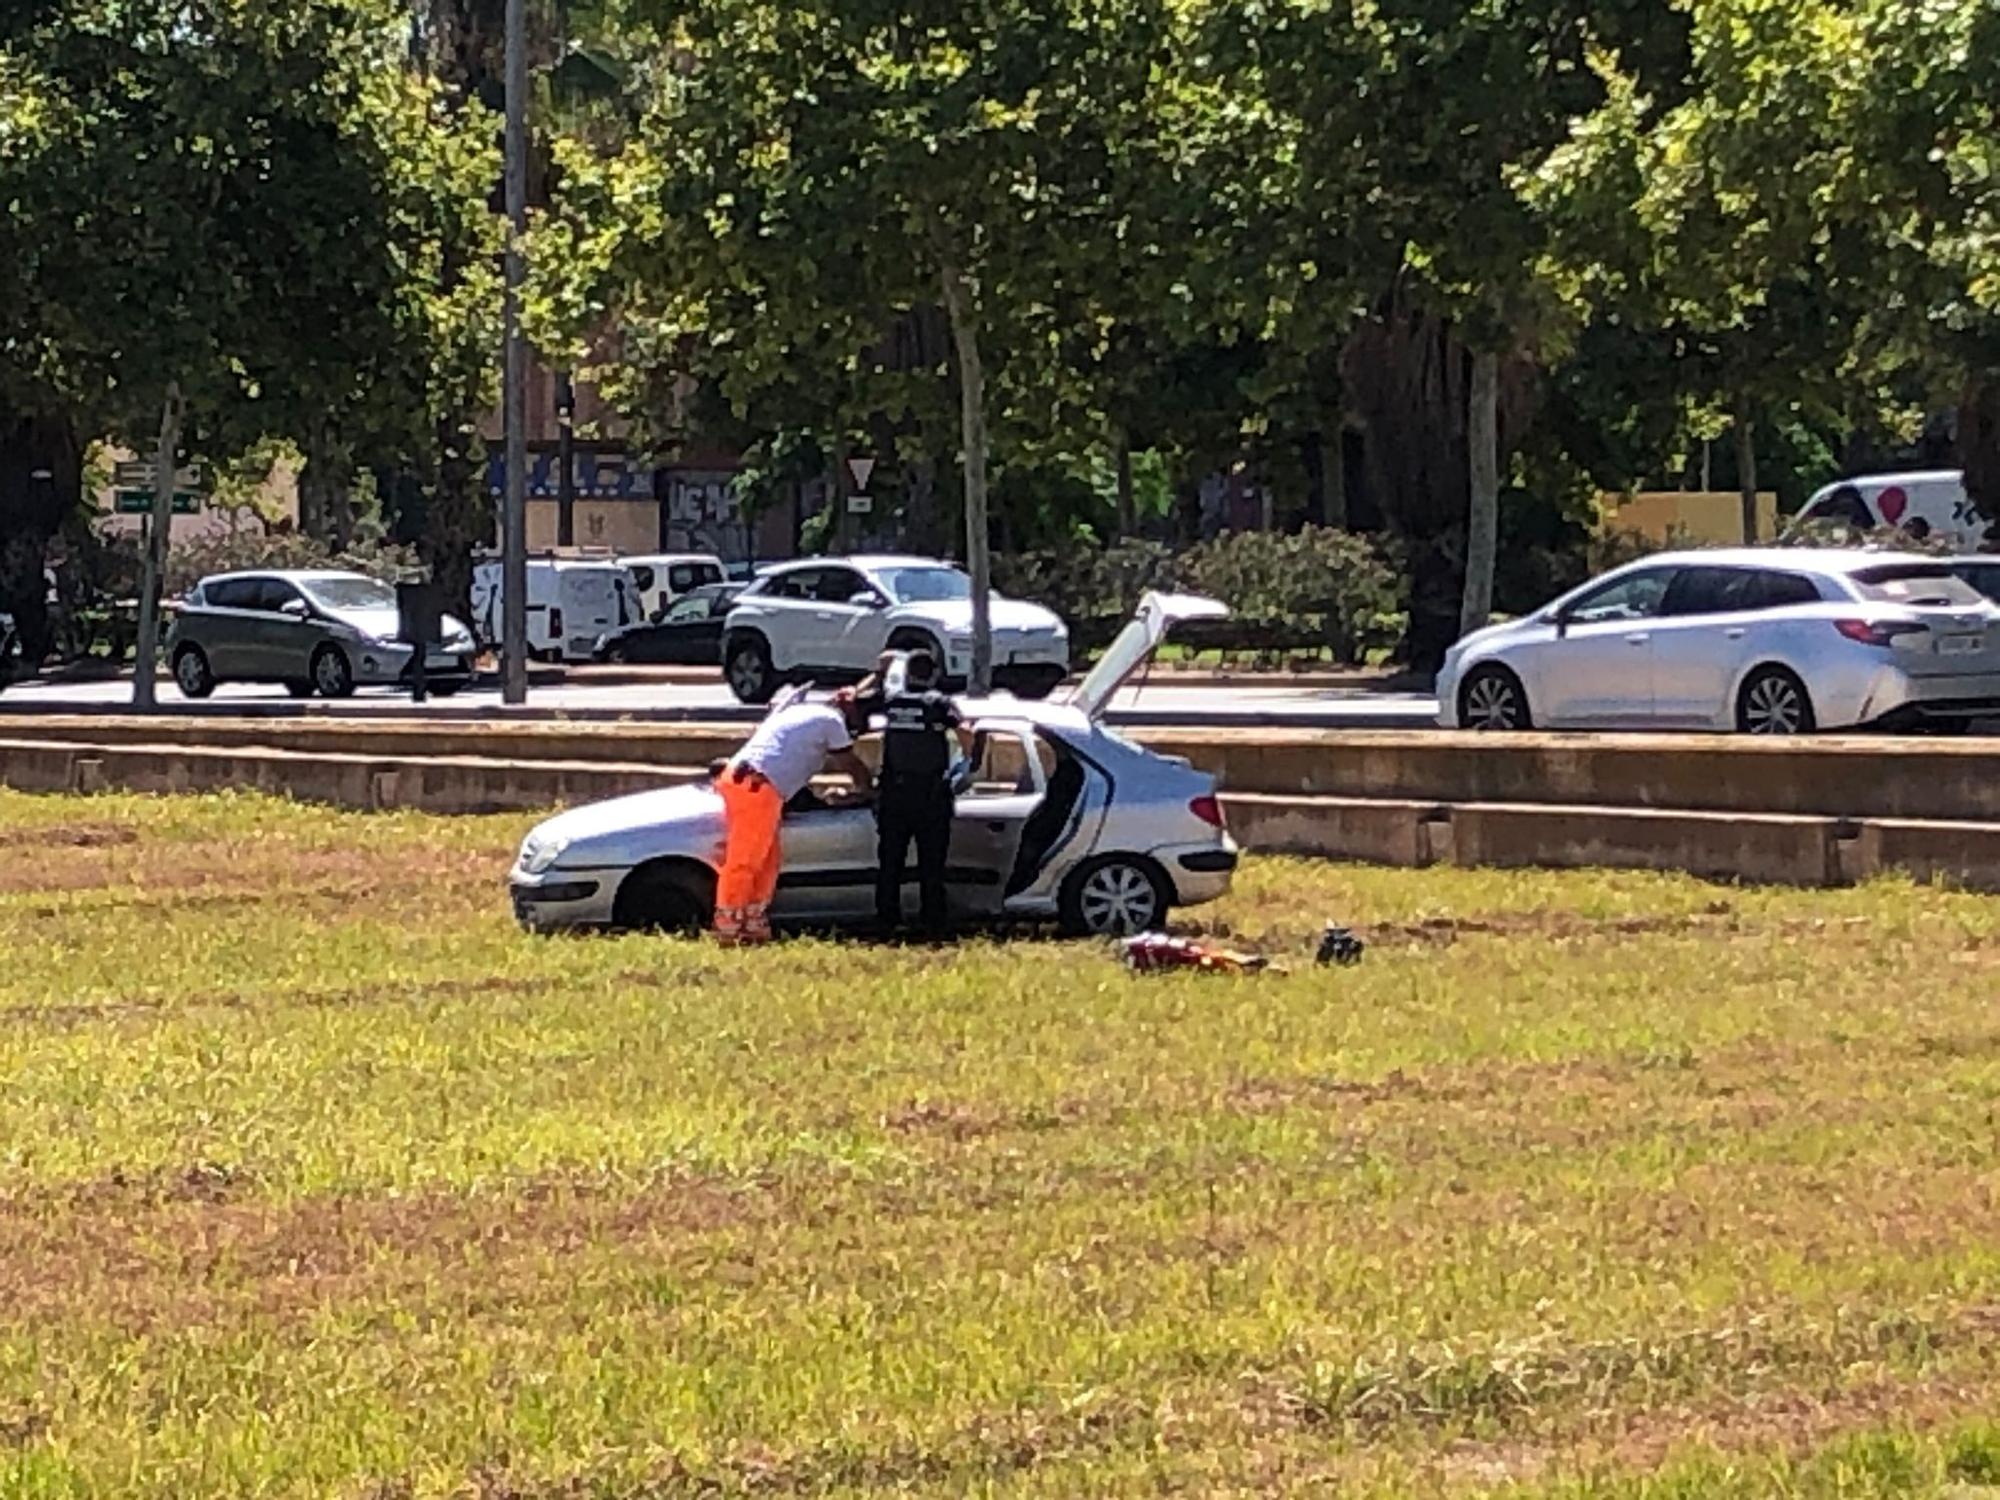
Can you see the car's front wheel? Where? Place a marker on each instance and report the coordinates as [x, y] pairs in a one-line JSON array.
[[665, 898], [1116, 896], [746, 666], [1492, 698], [332, 675], [1774, 702], [192, 674]]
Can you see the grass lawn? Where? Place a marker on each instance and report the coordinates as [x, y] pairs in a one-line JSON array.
[[321, 1179]]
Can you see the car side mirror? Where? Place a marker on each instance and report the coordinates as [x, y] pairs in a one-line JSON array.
[[1561, 620], [871, 600], [296, 608]]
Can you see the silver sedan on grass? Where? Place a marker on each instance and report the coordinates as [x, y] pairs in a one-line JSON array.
[[1056, 817], [1759, 640]]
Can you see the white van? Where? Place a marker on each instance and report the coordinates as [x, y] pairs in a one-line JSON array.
[[663, 577], [572, 604], [1926, 505]]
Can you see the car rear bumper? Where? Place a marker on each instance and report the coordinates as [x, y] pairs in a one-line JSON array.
[[1896, 698], [1200, 872], [556, 900]]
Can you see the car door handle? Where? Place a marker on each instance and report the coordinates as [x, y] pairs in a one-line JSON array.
[[996, 827], [1637, 640], [1738, 633]]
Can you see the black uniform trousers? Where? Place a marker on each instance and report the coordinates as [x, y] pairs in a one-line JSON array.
[[911, 808]]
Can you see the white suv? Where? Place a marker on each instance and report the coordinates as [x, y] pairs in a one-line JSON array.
[[829, 619]]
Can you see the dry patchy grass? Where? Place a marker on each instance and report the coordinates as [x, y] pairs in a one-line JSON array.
[[321, 1179]]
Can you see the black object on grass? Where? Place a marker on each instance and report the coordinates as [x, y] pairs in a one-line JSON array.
[[1339, 946]]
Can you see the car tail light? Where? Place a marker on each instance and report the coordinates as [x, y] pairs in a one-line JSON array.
[[1209, 810], [1878, 633], [555, 623]]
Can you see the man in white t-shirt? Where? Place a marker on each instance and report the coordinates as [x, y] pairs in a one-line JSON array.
[[792, 746]]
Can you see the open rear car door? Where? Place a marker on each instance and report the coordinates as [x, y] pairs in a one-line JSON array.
[[1156, 616]]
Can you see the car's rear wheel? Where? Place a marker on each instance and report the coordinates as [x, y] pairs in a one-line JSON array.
[[670, 897], [192, 674], [746, 666], [1774, 702], [332, 674], [1492, 698], [1115, 896]]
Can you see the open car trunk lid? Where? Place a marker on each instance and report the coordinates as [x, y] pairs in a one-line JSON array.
[[1151, 622]]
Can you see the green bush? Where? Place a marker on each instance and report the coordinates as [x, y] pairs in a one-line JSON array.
[[238, 551], [1319, 588]]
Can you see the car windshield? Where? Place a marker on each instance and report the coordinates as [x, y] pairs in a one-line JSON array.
[[1917, 583], [926, 585], [350, 593]]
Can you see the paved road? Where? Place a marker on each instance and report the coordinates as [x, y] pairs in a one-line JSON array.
[[1223, 706]]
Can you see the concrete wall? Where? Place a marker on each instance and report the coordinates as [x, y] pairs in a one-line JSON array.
[[1758, 847]]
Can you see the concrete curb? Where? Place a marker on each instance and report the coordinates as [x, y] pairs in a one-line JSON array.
[[1770, 848]]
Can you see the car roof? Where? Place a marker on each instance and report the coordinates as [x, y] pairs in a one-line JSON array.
[[867, 562], [1914, 476], [650, 558], [1832, 562], [290, 575]]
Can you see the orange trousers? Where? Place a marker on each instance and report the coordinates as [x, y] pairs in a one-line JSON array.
[[752, 812]]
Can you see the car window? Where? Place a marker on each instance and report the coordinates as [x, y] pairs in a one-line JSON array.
[[799, 583], [1984, 577], [839, 585], [348, 593], [1843, 507], [685, 611], [273, 594], [1916, 583], [684, 576], [643, 576], [1636, 596], [1782, 590], [1709, 591], [231, 593], [927, 585]]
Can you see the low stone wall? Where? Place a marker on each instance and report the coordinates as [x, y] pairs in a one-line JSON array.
[[1777, 848]]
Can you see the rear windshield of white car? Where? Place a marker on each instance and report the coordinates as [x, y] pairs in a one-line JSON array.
[[352, 593], [1917, 583], [926, 585]]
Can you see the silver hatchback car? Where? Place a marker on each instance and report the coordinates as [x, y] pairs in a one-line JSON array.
[[314, 632], [1056, 817]]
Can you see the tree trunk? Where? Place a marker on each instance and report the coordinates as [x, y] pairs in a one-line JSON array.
[[326, 493], [1979, 447], [972, 420], [458, 516], [152, 579], [1746, 469], [1482, 531], [1128, 516]]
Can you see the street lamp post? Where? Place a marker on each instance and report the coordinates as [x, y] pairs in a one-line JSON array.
[[514, 403]]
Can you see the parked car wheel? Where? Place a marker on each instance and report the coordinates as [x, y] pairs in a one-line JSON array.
[[1115, 896], [332, 675], [191, 673], [1772, 702], [300, 688], [1492, 698], [669, 897], [615, 652], [747, 667]]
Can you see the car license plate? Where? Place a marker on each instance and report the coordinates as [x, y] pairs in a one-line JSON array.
[[1961, 645]]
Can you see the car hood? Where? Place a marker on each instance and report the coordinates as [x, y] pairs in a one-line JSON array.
[[1491, 635], [383, 624], [1006, 614], [669, 820]]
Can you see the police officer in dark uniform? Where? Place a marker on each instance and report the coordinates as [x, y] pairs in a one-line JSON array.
[[913, 794]]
